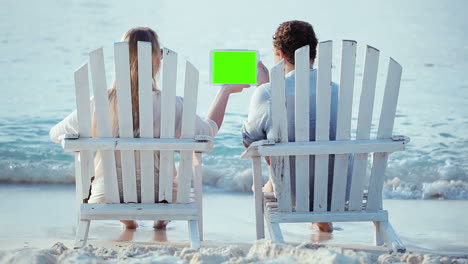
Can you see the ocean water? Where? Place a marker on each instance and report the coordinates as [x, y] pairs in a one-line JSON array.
[[42, 45]]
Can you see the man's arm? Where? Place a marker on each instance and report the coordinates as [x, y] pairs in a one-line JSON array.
[[251, 127]]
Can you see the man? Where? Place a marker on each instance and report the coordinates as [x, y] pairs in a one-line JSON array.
[[289, 37]]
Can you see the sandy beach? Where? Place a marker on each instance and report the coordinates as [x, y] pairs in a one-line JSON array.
[[259, 252], [40, 223]]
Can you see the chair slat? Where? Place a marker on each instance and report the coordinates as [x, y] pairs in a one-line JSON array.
[[302, 113], [279, 166], [104, 129], [85, 158], [188, 131], [343, 126], [82, 101], [323, 100], [145, 94], [348, 63], [124, 106], [166, 171], [387, 118], [392, 89], [366, 105]]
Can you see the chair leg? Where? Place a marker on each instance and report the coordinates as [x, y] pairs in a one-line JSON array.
[[391, 238], [200, 226], [277, 235], [194, 234], [82, 233], [274, 231], [198, 187], [260, 226], [378, 240], [258, 197]]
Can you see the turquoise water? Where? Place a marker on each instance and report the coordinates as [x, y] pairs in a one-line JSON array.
[[42, 45]]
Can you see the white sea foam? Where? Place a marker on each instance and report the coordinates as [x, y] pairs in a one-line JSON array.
[[259, 252], [405, 179], [457, 190]]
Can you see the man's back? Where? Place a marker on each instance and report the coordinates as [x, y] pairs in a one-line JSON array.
[[259, 124]]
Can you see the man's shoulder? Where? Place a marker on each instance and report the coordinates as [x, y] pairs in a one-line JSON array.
[[263, 92], [264, 88]]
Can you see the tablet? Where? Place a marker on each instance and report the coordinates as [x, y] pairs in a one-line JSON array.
[[233, 66]]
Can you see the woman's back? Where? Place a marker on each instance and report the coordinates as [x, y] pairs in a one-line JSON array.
[[70, 126]]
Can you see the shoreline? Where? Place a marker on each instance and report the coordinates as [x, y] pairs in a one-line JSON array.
[[426, 227]]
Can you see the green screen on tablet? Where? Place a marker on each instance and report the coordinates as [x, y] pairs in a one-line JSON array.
[[233, 67]]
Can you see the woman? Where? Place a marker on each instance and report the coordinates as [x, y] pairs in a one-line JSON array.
[[208, 126]]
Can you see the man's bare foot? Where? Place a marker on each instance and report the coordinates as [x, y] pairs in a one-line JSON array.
[[268, 187], [160, 224], [130, 224], [127, 234], [323, 227]]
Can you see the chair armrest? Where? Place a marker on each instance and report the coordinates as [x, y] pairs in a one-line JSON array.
[[72, 136], [63, 142], [203, 138], [401, 138], [197, 144], [252, 150], [260, 148]]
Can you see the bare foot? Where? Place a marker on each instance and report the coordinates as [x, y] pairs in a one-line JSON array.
[[268, 187], [321, 237], [323, 227], [130, 224], [160, 235], [127, 234], [160, 224]]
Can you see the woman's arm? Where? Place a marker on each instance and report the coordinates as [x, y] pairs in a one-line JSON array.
[[69, 125], [218, 107]]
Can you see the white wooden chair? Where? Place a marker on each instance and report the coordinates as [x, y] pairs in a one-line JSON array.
[[153, 188], [280, 207]]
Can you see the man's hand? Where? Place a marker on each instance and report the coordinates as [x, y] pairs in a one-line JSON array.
[[262, 74]]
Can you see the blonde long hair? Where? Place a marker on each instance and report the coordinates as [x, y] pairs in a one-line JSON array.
[[132, 37]]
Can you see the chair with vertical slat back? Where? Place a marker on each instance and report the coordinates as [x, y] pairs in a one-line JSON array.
[[156, 201], [282, 206]]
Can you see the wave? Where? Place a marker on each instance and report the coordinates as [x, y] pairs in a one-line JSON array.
[[234, 175], [423, 171]]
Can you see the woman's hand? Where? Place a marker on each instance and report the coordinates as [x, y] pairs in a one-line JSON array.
[[262, 74], [234, 88]]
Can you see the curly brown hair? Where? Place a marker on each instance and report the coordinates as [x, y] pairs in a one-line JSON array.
[[292, 35]]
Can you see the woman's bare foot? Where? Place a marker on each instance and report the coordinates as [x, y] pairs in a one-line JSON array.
[[130, 224], [160, 224], [323, 227]]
